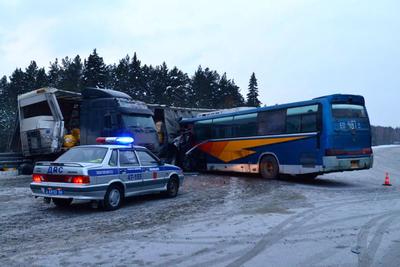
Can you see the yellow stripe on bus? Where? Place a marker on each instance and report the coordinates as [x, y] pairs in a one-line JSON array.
[[231, 150]]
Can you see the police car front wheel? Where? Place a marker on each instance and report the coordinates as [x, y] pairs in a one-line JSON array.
[[113, 198], [172, 187]]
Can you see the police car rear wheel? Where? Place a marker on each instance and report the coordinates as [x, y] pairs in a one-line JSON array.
[[62, 202], [113, 198], [172, 187]]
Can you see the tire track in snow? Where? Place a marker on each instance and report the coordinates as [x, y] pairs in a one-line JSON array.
[[282, 229], [367, 250]]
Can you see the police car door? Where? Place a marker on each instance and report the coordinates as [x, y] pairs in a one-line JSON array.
[[153, 177], [130, 171]]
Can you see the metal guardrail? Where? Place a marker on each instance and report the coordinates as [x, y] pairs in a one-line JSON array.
[[12, 160]]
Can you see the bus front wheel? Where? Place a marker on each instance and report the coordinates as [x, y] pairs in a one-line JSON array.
[[269, 168]]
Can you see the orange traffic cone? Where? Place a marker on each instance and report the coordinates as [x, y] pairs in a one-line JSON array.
[[387, 180]]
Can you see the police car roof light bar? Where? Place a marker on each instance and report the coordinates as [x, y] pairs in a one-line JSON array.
[[125, 140]]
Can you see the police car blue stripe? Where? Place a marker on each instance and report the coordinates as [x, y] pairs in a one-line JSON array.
[[169, 168], [102, 172], [115, 171], [136, 170]]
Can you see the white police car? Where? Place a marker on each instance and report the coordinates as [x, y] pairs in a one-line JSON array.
[[106, 173]]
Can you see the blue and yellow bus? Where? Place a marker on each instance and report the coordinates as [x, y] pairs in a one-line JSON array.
[[326, 134]]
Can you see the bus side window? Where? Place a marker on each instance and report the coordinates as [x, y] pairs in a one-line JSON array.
[[245, 125], [293, 124], [222, 127], [271, 122], [202, 130], [302, 119], [309, 122]]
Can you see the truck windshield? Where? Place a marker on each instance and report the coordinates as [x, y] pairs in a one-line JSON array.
[[84, 155], [138, 121], [36, 109], [348, 111]]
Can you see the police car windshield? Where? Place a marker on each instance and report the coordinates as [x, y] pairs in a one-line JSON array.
[[84, 155]]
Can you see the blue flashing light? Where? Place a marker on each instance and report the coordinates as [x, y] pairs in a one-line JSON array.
[[124, 140]]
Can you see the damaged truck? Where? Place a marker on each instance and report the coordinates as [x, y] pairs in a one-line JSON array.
[[51, 121]]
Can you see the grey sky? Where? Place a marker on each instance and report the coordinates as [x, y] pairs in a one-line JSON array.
[[298, 49]]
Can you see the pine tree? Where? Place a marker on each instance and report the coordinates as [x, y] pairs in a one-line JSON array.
[[236, 98], [30, 76], [158, 84], [4, 113], [198, 81], [136, 81], [121, 75], [95, 71], [205, 88], [55, 74], [41, 78], [34, 78], [228, 94], [4, 93], [17, 86], [252, 95], [147, 76], [71, 74], [3, 85], [223, 93], [178, 91]]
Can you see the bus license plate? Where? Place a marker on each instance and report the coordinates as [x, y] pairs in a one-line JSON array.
[[52, 191], [354, 164]]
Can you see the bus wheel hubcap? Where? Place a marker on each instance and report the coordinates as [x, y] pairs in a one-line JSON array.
[[270, 167]]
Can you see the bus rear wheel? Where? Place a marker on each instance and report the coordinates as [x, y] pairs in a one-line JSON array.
[[269, 168]]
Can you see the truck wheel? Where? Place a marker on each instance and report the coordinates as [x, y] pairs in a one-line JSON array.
[[187, 164], [113, 198], [25, 169], [62, 202], [269, 168], [172, 187]]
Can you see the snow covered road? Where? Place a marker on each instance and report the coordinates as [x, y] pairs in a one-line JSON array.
[[346, 219]]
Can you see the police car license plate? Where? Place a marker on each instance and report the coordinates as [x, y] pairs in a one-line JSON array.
[[53, 191], [354, 164]]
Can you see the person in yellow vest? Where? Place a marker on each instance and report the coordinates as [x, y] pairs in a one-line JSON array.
[[160, 132], [71, 140]]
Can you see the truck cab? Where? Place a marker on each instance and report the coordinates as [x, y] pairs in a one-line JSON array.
[[44, 115], [52, 120], [106, 112]]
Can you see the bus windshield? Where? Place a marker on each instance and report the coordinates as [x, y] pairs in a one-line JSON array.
[[342, 111], [84, 155]]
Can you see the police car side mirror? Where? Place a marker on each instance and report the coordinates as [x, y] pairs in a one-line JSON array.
[[161, 162]]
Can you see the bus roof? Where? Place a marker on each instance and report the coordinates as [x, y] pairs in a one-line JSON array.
[[356, 99]]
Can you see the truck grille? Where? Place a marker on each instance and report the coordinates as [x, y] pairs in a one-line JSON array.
[[34, 140]]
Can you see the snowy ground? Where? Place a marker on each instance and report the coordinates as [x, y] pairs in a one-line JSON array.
[[346, 219]]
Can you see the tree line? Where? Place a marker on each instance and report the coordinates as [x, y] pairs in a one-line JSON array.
[[385, 135], [160, 84]]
